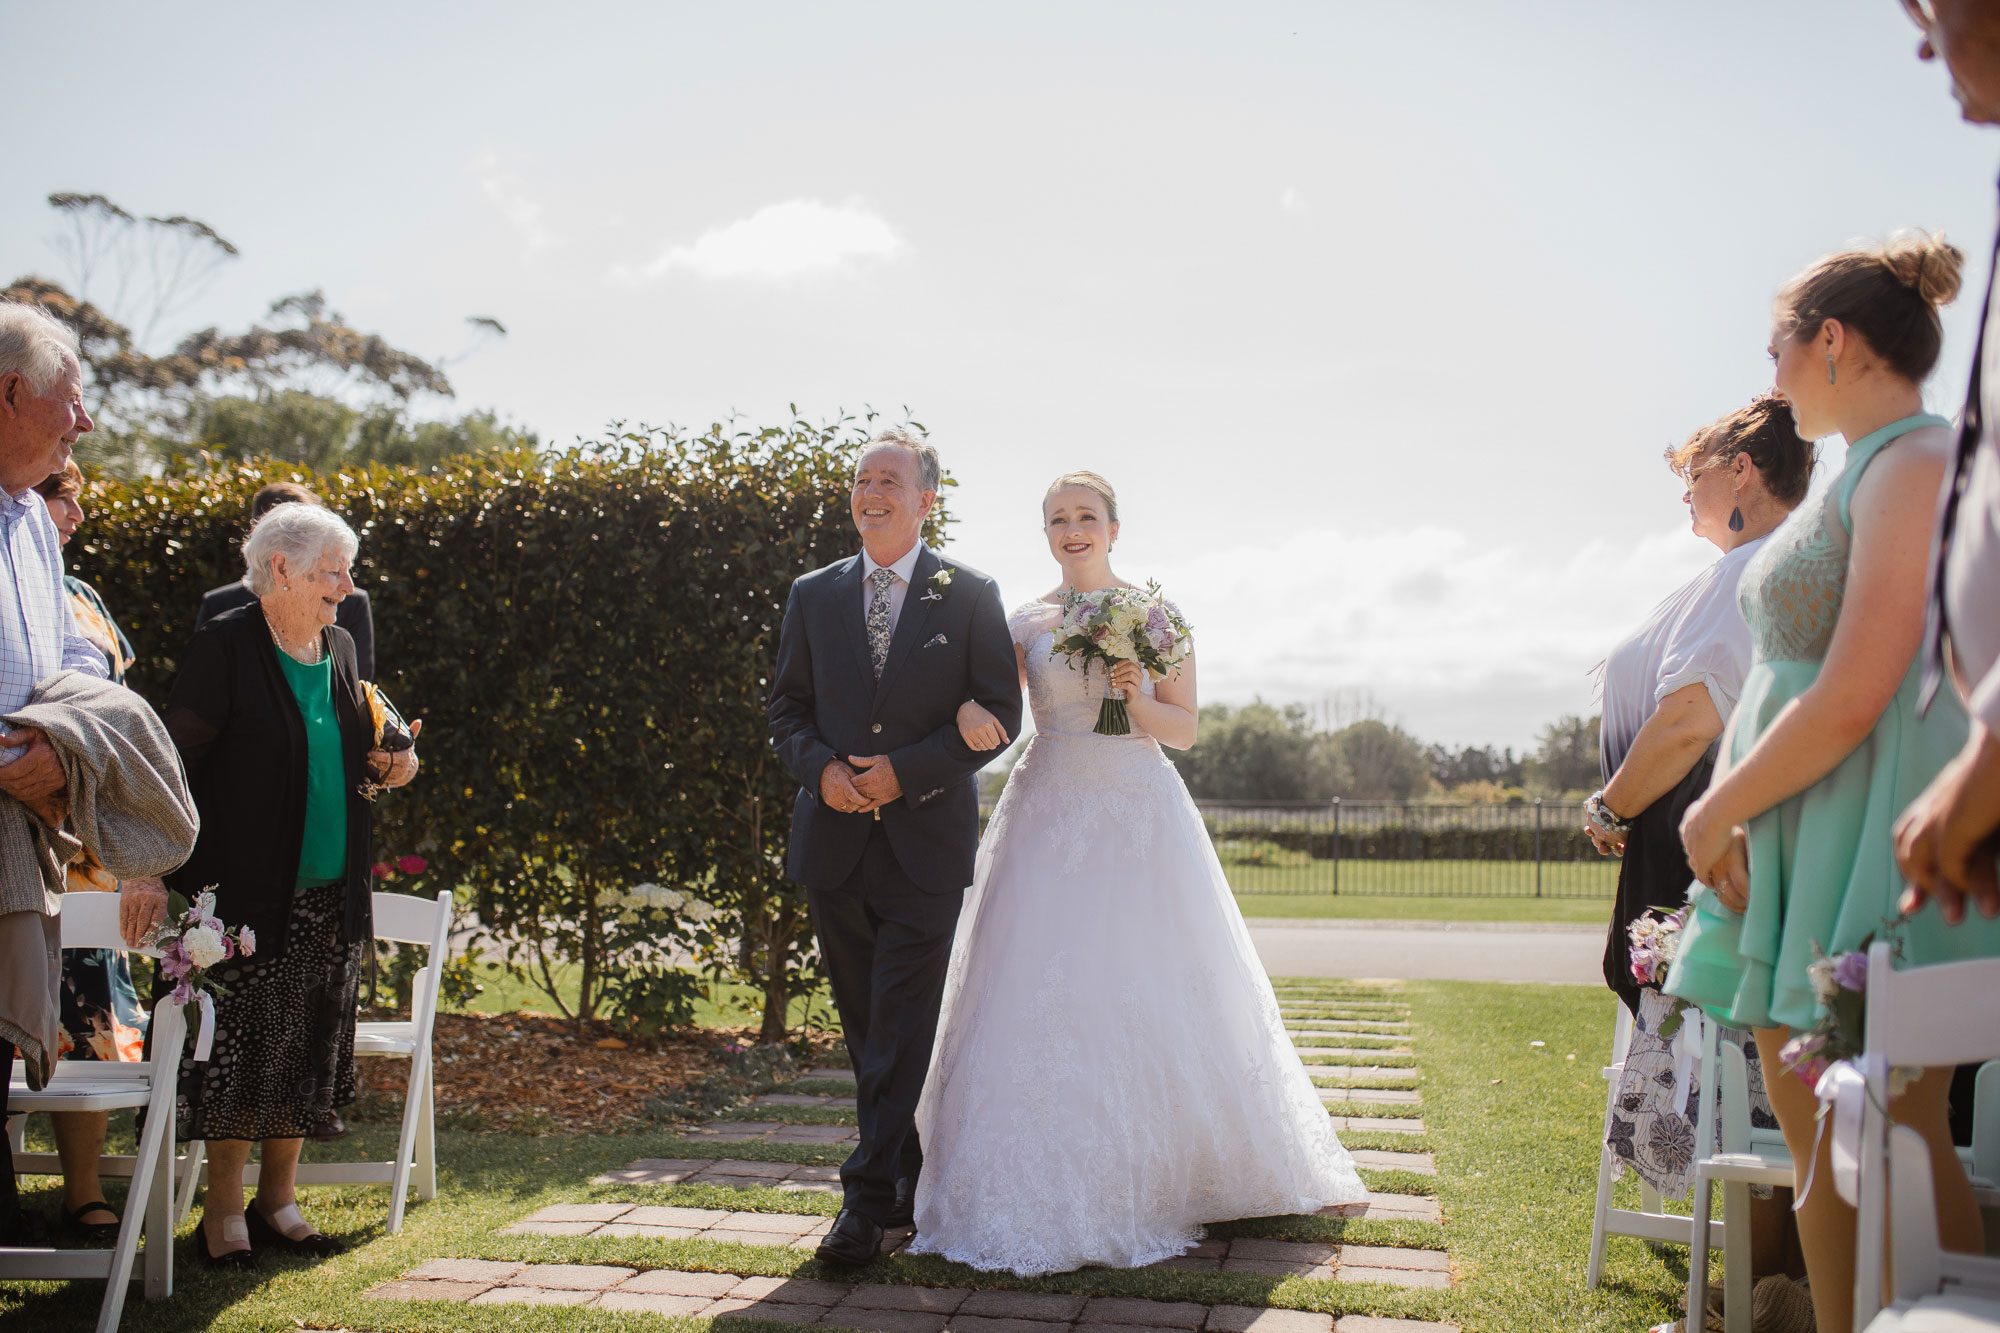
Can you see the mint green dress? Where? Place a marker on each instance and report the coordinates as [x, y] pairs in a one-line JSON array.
[[1822, 864]]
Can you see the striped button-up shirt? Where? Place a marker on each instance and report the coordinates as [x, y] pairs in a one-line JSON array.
[[38, 634]]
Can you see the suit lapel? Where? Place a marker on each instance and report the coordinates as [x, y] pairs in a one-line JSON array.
[[909, 625], [847, 609]]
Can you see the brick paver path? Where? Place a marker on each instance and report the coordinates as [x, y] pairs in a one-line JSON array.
[[1323, 1019]]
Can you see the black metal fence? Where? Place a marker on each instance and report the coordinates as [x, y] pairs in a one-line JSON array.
[[1532, 850]]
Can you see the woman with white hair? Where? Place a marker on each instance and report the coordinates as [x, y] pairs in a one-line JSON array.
[[271, 721]]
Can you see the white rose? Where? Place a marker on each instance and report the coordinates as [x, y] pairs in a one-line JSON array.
[[1820, 973], [204, 947]]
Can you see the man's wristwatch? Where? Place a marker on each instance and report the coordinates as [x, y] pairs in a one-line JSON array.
[[1600, 814]]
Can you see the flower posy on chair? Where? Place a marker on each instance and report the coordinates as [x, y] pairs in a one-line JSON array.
[[191, 940], [1116, 625]]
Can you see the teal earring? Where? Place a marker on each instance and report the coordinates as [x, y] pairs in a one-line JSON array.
[[1829, 370]]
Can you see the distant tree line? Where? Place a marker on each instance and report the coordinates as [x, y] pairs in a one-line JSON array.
[[1270, 752]]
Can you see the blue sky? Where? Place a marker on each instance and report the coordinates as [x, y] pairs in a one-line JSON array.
[[1379, 316]]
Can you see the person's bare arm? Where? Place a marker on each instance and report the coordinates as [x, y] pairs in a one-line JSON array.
[[1665, 751], [1947, 840], [1170, 715], [1881, 622]]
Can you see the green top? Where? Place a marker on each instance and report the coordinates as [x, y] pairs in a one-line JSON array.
[[323, 852]]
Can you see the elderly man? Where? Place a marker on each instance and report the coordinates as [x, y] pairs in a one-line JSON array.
[[875, 656], [41, 416]]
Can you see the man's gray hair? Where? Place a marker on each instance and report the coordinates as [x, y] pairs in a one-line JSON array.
[[928, 473], [301, 534], [34, 345]]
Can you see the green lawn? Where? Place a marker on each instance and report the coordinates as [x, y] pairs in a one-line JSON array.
[[1513, 1126]]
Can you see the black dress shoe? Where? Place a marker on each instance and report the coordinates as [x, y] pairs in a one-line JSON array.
[[312, 1245], [97, 1233], [903, 1212], [854, 1240], [241, 1260], [333, 1127]]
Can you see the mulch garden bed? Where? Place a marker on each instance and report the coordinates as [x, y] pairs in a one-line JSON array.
[[536, 1074]]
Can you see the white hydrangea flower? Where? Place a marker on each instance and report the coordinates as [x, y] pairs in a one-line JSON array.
[[674, 899], [204, 947]]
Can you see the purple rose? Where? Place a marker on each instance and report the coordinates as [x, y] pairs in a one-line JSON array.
[[1850, 970]]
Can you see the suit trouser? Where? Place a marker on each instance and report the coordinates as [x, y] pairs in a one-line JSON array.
[[10, 1200], [887, 944]]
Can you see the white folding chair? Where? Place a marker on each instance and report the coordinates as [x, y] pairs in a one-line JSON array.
[[1919, 1017], [1651, 1220], [404, 920], [90, 921], [1933, 1290], [1736, 1155]]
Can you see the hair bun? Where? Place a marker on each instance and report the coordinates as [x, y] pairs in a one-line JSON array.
[[1926, 263]]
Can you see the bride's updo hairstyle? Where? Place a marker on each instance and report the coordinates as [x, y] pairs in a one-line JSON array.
[[1089, 481], [1889, 294]]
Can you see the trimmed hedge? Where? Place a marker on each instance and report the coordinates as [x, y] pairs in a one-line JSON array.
[[587, 636], [1410, 841]]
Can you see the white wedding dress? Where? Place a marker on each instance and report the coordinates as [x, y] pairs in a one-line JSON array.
[[1111, 1071]]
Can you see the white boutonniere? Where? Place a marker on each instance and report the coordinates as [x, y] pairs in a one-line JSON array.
[[939, 584]]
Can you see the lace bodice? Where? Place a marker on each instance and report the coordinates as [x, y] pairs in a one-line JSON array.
[[1792, 589], [1063, 696]]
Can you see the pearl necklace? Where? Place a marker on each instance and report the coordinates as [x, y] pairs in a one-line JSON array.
[[317, 648]]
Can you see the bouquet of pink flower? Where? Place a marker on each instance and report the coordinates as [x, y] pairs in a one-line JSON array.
[[1115, 625], [1655, 935], [191, 940]]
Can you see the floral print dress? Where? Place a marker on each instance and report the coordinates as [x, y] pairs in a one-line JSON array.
[[101, 1017]]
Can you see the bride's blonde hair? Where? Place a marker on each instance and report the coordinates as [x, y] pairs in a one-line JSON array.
[[1090, 481]]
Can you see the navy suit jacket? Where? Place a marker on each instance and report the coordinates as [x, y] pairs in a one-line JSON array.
[[950, 645], [353, 615]]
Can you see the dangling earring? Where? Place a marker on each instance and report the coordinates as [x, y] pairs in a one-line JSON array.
[[1736, 520], [1829, 370]]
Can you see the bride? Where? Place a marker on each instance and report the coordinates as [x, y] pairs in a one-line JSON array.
[[1111, 1071]]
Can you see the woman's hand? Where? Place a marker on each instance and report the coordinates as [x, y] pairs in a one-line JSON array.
[[142, 904], [1732, 890], [1707, 842], [1606, 842], [395, 770], [981, 730], [1129, 677]]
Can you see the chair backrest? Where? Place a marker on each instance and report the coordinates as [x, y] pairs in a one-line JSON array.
[[90, 921], [410, 920], [1937, 1015]]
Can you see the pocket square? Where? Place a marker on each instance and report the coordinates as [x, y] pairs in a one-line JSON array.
[[937, 640]]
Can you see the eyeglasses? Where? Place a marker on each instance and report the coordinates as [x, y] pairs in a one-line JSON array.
[[1920, 14]]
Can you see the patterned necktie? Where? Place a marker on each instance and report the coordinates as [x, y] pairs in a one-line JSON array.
[[878, 619]]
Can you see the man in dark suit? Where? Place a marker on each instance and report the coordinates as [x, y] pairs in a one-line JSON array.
[[876, 654], [354, 614]]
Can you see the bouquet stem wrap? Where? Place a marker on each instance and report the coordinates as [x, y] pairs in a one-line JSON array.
[[1112, 718]]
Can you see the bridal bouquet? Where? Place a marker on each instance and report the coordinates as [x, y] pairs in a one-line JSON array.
[[1116, 625]]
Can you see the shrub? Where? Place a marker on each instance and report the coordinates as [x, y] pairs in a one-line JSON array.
[[588, 636]]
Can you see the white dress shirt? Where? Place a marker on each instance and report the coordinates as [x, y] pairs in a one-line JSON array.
[[898, 590], [38, 634]]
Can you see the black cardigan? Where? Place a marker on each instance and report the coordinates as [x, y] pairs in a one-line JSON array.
[[239, 731]]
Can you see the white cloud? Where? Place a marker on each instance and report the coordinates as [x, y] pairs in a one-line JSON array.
[[1291, 200], [787, 240], [1460, 641], [503, 190]]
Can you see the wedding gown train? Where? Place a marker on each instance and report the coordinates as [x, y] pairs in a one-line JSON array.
[[1111, 1070]]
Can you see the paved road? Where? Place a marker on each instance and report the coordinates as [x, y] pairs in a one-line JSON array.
[[1432, 950]]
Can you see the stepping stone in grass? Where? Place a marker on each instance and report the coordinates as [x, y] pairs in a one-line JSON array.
[[1376, 1125], [1370, 1096], [1395, 1207], [1387, 1256], [1249, 1319], [1419, 1163], [655, 1171]]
